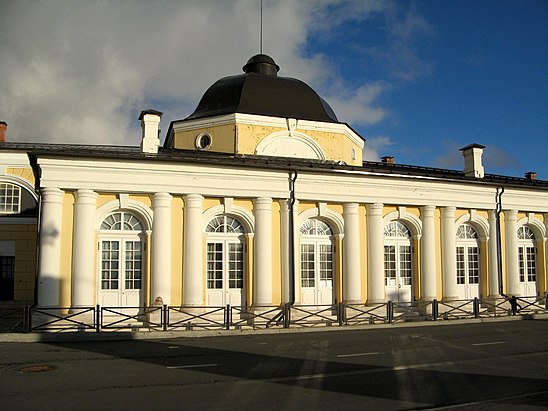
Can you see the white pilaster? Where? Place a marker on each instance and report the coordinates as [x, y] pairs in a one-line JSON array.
[[375, 254], [493, 270], [192, 251], [51, 215], [262, 281], [83, 249], [428, 250], [351, 253], [160, 281], [448, 253], [512, 265]]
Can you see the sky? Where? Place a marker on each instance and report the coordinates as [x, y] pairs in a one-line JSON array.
[[418, 80]]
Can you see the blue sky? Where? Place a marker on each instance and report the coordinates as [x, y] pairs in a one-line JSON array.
[[417, 79]]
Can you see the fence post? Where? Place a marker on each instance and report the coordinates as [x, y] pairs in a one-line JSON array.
[[287, 315], [389, 312], [476, 307], [27, 318], [228, 317], [514, 304], [165, 320], [97, 318], [546, 301], [340, 314], [434, 309]]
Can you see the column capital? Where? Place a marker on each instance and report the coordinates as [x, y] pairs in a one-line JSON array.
[[161, 200], [193, 200], [374, 209], [511, 214], [84, 196], [264, 203], [52, 194], [428, 210], [448, 212], [350, 208]]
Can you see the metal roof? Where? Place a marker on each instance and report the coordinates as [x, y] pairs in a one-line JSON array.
[[128, 153]]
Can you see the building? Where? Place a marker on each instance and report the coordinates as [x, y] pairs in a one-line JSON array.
[[259, 198]]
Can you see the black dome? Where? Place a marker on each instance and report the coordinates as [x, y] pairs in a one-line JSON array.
[[261, 91]]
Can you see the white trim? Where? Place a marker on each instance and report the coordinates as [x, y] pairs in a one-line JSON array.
[[535, 225], [480, 224], [141, 209], [241, 214], [280, 139], [413, 223], [14, 159], [336, 220], [13, 179]]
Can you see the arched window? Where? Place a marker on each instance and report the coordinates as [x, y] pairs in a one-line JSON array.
[[468, 262], [121, 240], [225, 265], [398, 267], [10, 198], [317, 270], [527, 261]]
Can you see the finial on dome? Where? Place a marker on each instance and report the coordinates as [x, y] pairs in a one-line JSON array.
[[261, 64]]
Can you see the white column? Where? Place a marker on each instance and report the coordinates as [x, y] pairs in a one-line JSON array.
[[284, 246], [262, 281], [428, 254], [51, 215], [493, 270], [351, 254], [193, 281], [160, 279], [513, 286], [375, 254], [83, 249], [449, 253]]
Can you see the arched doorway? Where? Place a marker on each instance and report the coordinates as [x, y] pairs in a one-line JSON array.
[[317, 263], [121, 261], [527, 261], [468, 262], [398, 264], [225, 262]]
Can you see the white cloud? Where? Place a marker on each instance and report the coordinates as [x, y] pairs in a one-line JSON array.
[[375, 147], [80, 71]]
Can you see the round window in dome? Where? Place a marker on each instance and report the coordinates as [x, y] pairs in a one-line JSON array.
[[203, 141]]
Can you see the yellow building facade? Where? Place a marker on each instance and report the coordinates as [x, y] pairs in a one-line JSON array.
[[261, 198]]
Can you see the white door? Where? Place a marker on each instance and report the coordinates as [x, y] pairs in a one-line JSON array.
[[527, 261], [527, 270], [468, 272], [398, 273], [225, 273], [121, 282], [398, 265], [317, 273], [468, 262]]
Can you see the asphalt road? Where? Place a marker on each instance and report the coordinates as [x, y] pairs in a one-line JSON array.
[[498, 365]]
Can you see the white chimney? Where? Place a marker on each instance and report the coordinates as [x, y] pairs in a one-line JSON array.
[[473, 166], [150, 119]]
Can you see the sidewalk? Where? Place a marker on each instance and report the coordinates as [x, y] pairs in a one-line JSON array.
[[68, 336]]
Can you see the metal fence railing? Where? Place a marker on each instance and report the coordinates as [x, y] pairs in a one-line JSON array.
[[164, 317]]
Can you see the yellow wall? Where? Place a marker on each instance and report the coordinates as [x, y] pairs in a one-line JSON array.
[[176, 250], [24, 173], [276, 254], [24, 236], [222, 138], [65, 267]]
